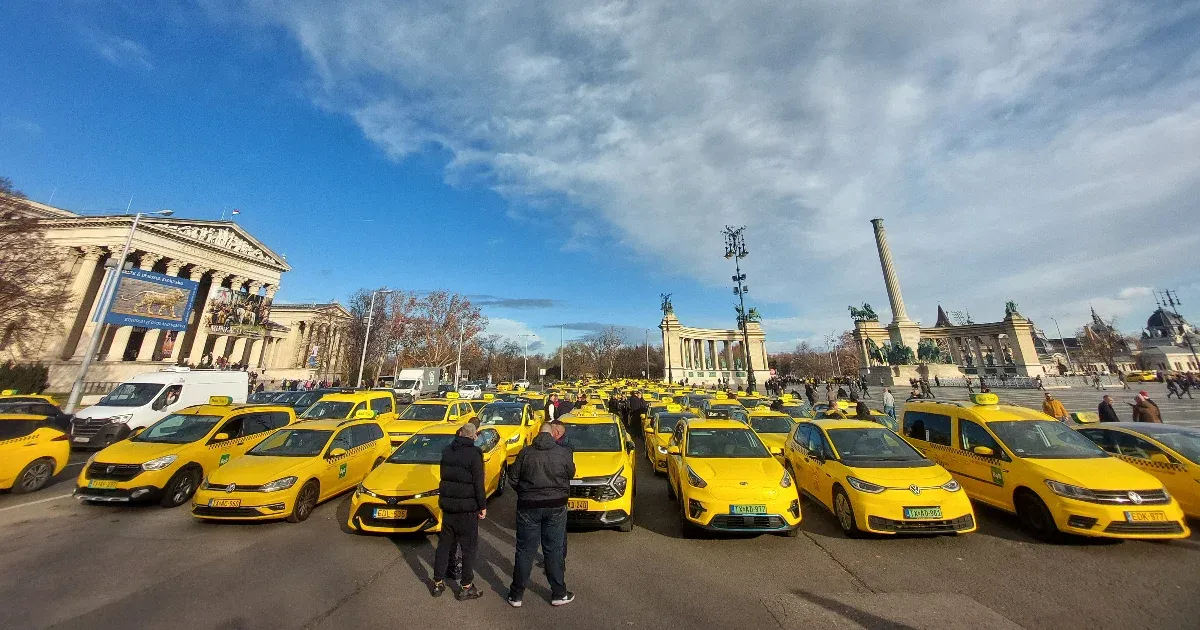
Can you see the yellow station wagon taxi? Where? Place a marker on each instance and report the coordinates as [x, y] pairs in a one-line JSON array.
[[426, 412], [1054, 479], [602, 489], [345, 404], [287, 474], [168, 460], [871, 480], [1171, 453], [725, 479], [658, 435], [32, 451], [401, 495]]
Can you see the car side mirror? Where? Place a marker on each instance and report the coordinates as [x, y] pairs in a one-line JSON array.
[[136, 431], [220, 437], [984, 451], [777, 451], [629, 445], [1160, 458], [337, 452]]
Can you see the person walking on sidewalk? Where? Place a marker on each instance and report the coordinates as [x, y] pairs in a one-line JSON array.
[[463, 501], [541, 477], [889, 403]]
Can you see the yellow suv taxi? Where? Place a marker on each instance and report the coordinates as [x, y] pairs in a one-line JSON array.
[[345, 405], [426, 412], [32, 451], [168, 460], [1169, 452], [287, 474], [1054, 479], [602, 490]]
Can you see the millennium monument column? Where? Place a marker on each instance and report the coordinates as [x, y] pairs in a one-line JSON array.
[[902, 330]]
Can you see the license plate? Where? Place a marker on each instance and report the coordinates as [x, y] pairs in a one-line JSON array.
[[577, 504], [391, 514], [103, 485], [225, 503], [81, 440], [747, 509], [923, 512], [1146, 517]]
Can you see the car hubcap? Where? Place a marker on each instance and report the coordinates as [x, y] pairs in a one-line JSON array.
[[184, 490], [36, 476], [843, 510], [306, 502]]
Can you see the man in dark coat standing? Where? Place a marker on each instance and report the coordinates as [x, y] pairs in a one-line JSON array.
[[541, 477], [463, 501], [1106, 411]]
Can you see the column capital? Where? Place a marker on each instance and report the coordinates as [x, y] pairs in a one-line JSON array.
[[92, 252], [271, 289], [255, 285], [236, 282], [198, 272], [148, 260], [174, 266]]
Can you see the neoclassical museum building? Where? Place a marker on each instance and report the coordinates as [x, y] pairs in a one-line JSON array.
[[294, 341]]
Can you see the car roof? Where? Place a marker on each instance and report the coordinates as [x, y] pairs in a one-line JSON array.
[[437, 401], [715, 423], [1150, 429], [836, 423], [760, 412], [596, 417], [986, 413], [355, 396], [446, 428], [328, 424]]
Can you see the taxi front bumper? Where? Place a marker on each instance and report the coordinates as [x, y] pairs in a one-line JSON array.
[[1163, 521], [395, 515], [218, 505], [584, 509], [889, 512], [714, 511], [125, 483]]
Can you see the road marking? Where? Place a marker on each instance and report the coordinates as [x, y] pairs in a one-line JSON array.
[[13, 507]]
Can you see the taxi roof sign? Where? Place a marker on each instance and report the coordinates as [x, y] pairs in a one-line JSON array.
[[452, 395], [489, 396], [8, 392], [673, 408], [985, 399], [220, 401]]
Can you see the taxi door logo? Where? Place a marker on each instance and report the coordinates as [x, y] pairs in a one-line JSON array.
[[997, 476], [341, 471], [224, 459]]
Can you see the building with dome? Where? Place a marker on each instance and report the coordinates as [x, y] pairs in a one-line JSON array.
[[1169, 343]]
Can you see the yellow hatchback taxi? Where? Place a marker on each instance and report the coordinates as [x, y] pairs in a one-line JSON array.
[[514, 422], [168, 459], [345, 404], [772, 428], [873, 481], [426, 412], [1054, 479], [726, 480], [292, 470], [658, 435], [32, 451], [1171, 453], [401, 495], [602, 489]]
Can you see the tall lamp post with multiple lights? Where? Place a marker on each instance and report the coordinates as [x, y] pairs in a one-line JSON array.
[[735, 248], [112, 275]]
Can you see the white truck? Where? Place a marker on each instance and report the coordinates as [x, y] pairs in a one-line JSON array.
[[417, 382]]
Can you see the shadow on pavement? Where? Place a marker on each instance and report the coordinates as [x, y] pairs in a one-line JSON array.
[[861, 617]]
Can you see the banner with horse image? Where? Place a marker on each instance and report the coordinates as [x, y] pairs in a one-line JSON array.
[[237, 313], [152, 300]]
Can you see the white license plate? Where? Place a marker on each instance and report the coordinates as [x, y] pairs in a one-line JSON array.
[[81, 439]]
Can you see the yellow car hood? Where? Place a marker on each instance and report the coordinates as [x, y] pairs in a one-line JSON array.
[[902, 477], [408, 426], [130, 452], [1097, 473], [725, 472], [403, 479], [255, 470], [598, 464]]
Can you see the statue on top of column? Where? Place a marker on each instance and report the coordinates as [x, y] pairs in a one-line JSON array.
[[864, 314], [666, 305]]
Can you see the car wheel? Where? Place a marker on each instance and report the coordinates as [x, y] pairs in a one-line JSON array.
[[686, 528], [34, 476], [792, 533], [844, 511], [1035, 517], [503, 482], [306, 501], [180, 488], [626, 526]]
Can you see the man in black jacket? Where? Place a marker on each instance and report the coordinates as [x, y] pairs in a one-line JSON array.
[[463, 502], [1106, 411], [541, 477]]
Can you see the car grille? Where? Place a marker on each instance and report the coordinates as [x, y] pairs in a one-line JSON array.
[[225, 488], [925, 527], [204, 510], [418, 515], [733, 521], [87, 427], [595, 493], [583, 517], [113, 472], [1119, 527], [1121, 497], [103, 492]]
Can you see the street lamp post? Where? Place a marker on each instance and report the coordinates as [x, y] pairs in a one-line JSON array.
[[458, 362], [112, 275], [525, 370], [1070, 365], [735, 248], [647, 374], [362, 362], [562, 356]]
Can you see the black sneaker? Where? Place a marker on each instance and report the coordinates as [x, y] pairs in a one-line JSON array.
[[564, 600], [438, 588], [455, 570], [469, 591]]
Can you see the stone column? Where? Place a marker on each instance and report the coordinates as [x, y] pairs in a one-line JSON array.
[[955, 351], [88, 260], [979, 360], [116, 350], [256, 352], [202, 333], [890, 280]]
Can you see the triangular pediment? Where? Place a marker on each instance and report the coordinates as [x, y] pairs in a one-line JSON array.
[[223, 235]]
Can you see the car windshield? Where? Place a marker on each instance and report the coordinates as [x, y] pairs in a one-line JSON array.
[[262, 397], [131, 395], [405, 384], [421, 449], [1044, 439], [1182, 440], [508, 397], [752, 402], [292, 443], [771, 424], [291, 398], [328, 410], [503, 414], [424, 412], [855, 445], [667, 421], [798, 411], [178, 428], [725, 443], [886, 420], [593, 438]]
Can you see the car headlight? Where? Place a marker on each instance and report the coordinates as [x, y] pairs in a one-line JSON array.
[[278, 484], [363, 490], [122, 419], [864, 486], [515, 438], [159, 463], [694, 479], [786, 482], [619, 482], [951, 486], [662, 450], [1069, 491], [430, 493], [93, 458]]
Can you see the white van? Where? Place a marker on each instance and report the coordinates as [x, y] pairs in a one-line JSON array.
[[147, 398]]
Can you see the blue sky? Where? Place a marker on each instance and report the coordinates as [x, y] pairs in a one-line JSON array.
[[588, 153]]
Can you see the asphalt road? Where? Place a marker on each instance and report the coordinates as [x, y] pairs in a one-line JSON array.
[[69, 565]]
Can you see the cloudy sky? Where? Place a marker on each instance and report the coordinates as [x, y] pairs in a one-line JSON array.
[[569, 161]]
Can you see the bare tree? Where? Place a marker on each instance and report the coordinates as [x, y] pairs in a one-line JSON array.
[[604, 346], [34, 284], [432, 329]]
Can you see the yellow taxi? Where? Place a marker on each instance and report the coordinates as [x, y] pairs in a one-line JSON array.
[[401, 495], [1054, 479], [750, 401], [873, 481], [726, 480], [658, 435], [32, 451], [12, 395], [1169, 452], [514, 422], [722, 407], [287, 474], [795, 407], [168, 459], [504, 386], [345, 404], [602, 489], [657, 408], [428, 411], [1141, 376], [772, 428]]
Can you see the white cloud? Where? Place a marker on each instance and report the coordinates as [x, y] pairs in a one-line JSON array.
[[513, 330], [121, 52], [29, 127], [1036, 151]]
